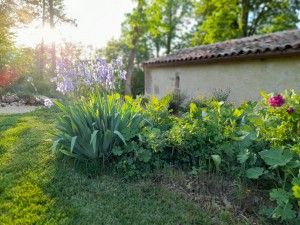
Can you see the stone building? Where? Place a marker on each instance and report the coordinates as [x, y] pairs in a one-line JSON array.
[[268, 62]]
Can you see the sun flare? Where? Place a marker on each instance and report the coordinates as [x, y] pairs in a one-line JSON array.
[[49, 35]]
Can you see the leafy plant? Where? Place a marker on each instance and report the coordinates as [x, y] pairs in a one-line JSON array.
[[176, 103], [158, 112], [92, 128], [203, 137], [275, 120]]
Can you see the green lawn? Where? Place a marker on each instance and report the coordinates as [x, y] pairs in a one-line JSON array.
[[38, 188]]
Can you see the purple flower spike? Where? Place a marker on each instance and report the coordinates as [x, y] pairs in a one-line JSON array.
[[29, 79], [101, 61], [276, 101], [65, 87]]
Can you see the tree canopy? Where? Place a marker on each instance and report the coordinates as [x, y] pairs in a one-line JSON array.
[[220, 20], [153, 28]]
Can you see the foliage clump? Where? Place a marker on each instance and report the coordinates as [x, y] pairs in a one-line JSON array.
[[256, 142]]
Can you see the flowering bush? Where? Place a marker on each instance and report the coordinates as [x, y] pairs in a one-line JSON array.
[[89, 75], [276, 122], [99, 125], [279, 124], [276, 101]]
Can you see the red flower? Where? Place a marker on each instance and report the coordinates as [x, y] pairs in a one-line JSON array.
[[290, 110], [276, 101]]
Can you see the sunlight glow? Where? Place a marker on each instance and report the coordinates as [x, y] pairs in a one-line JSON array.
[[98, 21], [49, 35]]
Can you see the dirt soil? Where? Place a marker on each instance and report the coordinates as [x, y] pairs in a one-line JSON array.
[[10, 109]]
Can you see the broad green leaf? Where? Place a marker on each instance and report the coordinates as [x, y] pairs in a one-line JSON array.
[[243, 156], [276, 157], [154, 100], [257, 121], [193, 108], [254, 173], [73, 141], [107, 140], [296, 181], [93, 136], [60, 106], [294, 164], [94, 141], [285, 212], [238, 112], [217, 160], [264, 94], [280, 196], [117, 151], [70, 154], [140, 138], [54, 146], [120, 136], [144, 155], [266, 210]]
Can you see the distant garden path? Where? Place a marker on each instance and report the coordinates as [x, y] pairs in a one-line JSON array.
[[16, 109]]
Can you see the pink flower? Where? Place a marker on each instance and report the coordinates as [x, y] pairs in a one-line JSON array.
[[276, 101], [290, 110]]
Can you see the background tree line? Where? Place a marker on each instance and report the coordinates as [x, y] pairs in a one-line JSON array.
[[154, 28], [159, 27]]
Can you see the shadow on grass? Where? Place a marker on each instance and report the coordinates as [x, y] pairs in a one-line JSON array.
[[37, 188], [25, 166], [100, 198]]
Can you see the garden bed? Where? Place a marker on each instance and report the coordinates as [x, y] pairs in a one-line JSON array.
[[37, 188]]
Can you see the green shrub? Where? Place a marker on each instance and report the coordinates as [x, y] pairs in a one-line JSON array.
[[158, 112], [92, 128], [203, 135], [177, 100]]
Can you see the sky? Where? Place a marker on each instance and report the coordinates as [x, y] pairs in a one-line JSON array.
[[98, 21]]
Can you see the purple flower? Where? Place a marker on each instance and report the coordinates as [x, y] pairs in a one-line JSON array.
[[29, 79], [101, 61], [276, 101], [122, 74], [48, 102], [54, 79], [118, 62], [88, 73], [65, 87], [290, 110]]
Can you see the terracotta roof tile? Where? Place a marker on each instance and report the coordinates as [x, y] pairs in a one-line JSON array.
[[258, 45]]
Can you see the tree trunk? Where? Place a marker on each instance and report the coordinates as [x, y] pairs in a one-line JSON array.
[[169, 41], [42, 57], [134, 42], [171, 28], [53, 50], [130, 67], [245, 14]]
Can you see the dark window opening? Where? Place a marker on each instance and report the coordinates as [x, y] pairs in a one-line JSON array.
[[177, 81]]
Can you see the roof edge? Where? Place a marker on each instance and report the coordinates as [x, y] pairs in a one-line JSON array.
[[257, 56]]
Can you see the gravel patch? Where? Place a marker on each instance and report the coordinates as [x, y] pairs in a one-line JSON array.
[[12, 109]]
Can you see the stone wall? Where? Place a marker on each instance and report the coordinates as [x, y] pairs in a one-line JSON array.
[[244, 78]]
